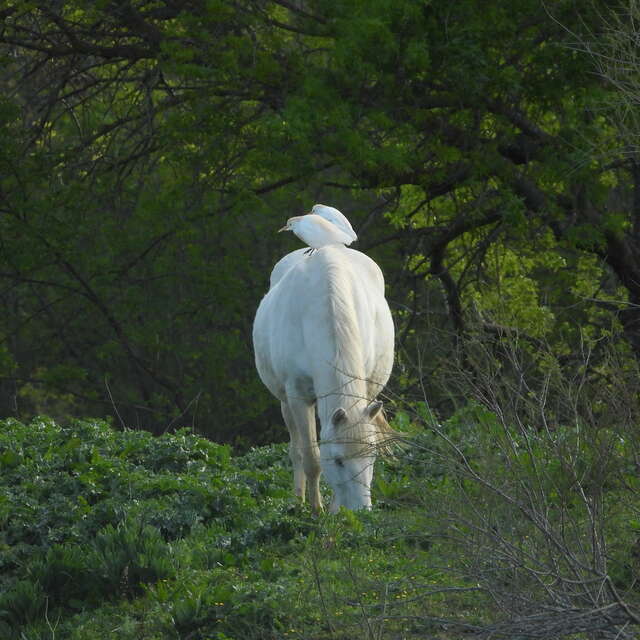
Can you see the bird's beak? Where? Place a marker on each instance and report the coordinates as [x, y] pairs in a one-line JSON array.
[[283, 228]]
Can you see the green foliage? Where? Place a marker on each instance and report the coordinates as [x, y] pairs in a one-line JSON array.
[[94, 537], [148, 160], [89, 513], [172, 537], [130, 555], [94, 519], [23, 603], [147, 156]]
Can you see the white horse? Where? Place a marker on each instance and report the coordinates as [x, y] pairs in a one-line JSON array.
[[323, 337]]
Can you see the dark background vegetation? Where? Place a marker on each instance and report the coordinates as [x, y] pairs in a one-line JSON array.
[[485, 152]]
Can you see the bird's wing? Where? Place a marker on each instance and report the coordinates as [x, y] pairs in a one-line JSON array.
[[339, 220]]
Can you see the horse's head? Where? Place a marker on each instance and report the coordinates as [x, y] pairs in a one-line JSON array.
[[348, 454]]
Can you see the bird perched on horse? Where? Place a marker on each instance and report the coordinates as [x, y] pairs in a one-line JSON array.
[[315, 231]]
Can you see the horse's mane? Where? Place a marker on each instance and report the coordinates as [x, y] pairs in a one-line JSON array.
[[347, 358]]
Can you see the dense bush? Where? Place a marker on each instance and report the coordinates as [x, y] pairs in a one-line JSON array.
[[90, 514], [172, 537], [479, 526]]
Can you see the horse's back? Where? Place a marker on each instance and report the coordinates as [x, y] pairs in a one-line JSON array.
[[295, 329], [364, 266]]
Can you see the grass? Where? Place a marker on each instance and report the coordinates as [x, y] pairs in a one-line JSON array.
[[107, 533]]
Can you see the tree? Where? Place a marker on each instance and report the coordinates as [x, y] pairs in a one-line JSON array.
[[160, 146]]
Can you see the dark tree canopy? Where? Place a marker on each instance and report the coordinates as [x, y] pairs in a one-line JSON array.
[[149, 151]]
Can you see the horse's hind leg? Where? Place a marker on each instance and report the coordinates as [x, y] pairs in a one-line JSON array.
[[295, 452], [303, 418]]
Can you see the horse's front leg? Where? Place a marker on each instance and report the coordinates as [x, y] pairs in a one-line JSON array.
[[295, 452], [303, 418]]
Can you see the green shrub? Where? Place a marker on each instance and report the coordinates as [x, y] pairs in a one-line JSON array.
[[126, 557], [24, 602], [89, 513], [64, 575], [173, 538]]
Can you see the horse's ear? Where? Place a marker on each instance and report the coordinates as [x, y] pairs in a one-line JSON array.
[[373, 409], [339, 415]]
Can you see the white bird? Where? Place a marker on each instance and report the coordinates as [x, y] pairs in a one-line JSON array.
[[316, 231], [335, 217]]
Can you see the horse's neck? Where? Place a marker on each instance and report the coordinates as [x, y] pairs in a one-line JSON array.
[[338, 386], [340, 382]]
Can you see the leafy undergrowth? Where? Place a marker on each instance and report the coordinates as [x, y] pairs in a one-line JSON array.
[[479, 529], [107, 533]]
